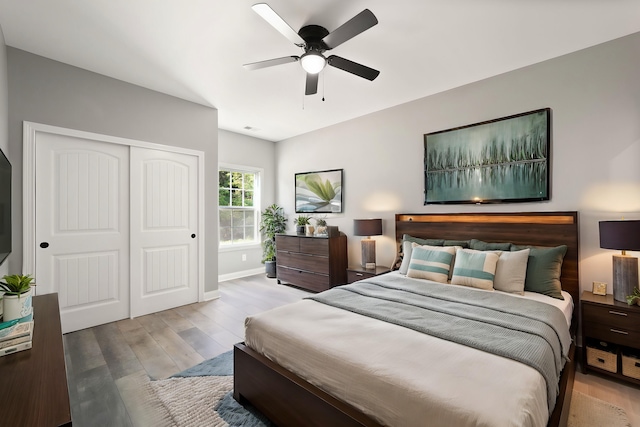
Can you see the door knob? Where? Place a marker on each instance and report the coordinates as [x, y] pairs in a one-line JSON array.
[[193, 236], [44, 245]]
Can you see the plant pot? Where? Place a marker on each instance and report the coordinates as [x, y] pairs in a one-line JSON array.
[[309, 230], [17, 306], [270, 268], [300, 230], [321, 230]]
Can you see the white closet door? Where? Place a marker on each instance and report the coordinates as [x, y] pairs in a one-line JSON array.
[[82, 228], [164, 230]]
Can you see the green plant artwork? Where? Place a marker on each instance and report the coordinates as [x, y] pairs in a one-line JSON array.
[[500, 160], [319, 191]]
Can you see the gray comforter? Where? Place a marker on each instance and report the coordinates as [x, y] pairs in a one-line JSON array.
[[527, 331]]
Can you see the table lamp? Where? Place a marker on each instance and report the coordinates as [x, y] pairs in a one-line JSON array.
[[623, 236], [368, 228]]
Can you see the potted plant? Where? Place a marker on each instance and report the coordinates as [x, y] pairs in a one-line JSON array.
[[17, 298], [301, 222], [272, 222], [321, 227]]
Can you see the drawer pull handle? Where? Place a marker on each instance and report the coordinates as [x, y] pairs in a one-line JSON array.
[[619, 332], [359, 274], [600, 360], [637, 364], [618, 313]]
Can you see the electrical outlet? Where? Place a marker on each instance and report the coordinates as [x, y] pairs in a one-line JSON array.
[[244, 257]]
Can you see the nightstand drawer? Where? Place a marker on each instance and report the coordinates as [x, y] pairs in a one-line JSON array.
[[354, 276], [614, 334], [613, 317]]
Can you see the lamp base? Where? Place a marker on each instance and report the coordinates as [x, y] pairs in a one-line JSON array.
[[368, 253], [625, 276]]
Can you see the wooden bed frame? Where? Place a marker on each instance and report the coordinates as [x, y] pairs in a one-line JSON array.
[[288, 400]]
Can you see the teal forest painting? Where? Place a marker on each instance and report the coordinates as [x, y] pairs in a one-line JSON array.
[[319, 192], [502, 160]]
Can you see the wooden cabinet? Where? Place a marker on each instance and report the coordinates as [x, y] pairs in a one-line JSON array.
[[355, 273], [313, 263], [33, 389], [615, 324]]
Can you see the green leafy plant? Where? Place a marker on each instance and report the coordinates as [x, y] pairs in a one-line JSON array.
[[303, 220], [16, 284], [272, 222], [321, 222], [324, 190], [634, 297]]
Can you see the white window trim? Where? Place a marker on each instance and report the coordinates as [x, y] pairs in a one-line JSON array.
[[257, 197]]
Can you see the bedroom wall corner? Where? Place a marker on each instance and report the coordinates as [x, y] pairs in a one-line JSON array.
[[593, 95], [244, 150]]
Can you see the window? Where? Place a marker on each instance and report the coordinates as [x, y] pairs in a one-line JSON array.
[[238, 192]]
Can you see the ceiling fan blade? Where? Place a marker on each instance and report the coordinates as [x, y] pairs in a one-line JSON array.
[[269, 15], [359, 23], [353, 67], [270, 62], [311, 87]]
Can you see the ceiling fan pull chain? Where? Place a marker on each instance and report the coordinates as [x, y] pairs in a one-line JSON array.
[[324, 82]]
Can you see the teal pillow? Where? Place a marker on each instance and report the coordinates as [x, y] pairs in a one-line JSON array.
[[479, 245], [544, 267], [462, 243], [474, 268], [422, 242], [431, 262]]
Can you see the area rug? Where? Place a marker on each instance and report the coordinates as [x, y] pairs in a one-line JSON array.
[[186, 400]]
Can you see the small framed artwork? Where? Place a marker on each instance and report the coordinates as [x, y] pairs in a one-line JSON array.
[[319, 192], [497, 161], [599, 288]]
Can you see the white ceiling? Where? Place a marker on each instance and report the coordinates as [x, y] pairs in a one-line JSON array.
[[194, 49]]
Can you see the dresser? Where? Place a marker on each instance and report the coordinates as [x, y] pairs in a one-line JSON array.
[[33, 383], [312, 263], [611, 337]]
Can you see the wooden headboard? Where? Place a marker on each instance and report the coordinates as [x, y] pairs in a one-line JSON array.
[[523, 228]]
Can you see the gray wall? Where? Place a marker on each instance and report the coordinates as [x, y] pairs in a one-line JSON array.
[[50, 92], [242, 150], [4, 117], [594, 97]]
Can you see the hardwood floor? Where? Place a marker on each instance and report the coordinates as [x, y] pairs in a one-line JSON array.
[[106, 364]]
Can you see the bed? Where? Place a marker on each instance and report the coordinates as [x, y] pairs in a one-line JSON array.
[[297, 375]]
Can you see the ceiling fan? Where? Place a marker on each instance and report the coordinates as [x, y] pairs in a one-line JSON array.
[[315, 40]]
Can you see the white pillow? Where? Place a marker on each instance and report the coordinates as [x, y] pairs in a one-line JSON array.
[[511, 271], [474, 268], [407, 248]]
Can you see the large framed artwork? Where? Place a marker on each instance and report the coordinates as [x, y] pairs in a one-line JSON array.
[[502, 160], [319, 192]]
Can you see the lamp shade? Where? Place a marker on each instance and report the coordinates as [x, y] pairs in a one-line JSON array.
[[620, 235], [367, 227]]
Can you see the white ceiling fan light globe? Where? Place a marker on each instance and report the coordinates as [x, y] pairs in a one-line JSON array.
[[313, 62]]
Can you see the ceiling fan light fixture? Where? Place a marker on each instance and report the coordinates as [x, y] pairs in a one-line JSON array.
[[313, 62]]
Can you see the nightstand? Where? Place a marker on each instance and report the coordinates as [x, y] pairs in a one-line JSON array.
[[356, 272], [611, 337]]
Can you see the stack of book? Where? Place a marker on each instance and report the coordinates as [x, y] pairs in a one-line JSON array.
[[18, 338]]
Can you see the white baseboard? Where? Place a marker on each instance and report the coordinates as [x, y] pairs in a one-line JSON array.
[[239, 274], [211, 295]]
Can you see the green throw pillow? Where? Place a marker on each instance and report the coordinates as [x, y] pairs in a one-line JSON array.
[[479, 245], [543, 269], [422, 242], [462, 243]]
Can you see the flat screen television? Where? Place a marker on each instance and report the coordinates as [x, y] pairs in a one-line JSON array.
[[5, 207]]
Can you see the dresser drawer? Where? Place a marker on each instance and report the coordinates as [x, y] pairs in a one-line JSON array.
[[315, 246], [614, 334], [613, 317], [288, 243], [311, 281], [312, 263]]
